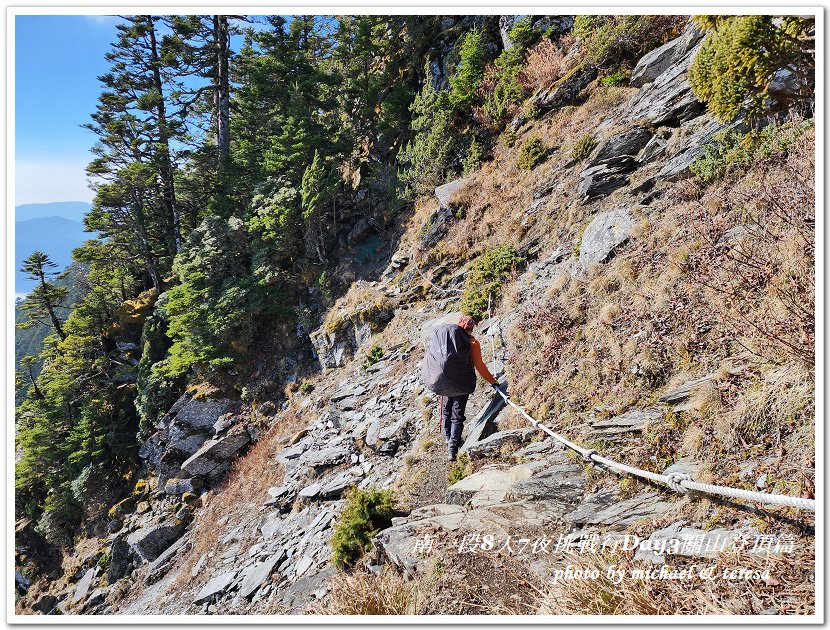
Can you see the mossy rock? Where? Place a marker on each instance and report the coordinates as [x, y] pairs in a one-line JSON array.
[[121, 508], [135, 311], [142, 489]]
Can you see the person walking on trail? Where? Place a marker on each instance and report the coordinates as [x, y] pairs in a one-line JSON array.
[[448, 369]]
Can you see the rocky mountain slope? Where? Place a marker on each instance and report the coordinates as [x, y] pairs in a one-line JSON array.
[[606, 330]]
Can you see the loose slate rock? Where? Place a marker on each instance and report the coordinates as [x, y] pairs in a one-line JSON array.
[[213, 457], [682, 392], [621, 426], [604, 508], [627, 143], [606, 232], [565, 90], [149, 542], [260, 573], [216, 587], [603, 178], [444, 193], [331, 456]]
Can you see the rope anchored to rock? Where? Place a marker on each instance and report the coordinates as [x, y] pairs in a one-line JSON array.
[[677, 481]]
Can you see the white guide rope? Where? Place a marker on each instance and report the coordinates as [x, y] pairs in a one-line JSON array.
[[679, 482]]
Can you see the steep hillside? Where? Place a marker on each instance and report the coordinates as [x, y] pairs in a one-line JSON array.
[[644, 277]]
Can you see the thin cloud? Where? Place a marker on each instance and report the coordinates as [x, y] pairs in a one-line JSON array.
[[102, 20], [46, 181]]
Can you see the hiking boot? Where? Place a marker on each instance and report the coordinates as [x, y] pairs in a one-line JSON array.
[[453, 454]]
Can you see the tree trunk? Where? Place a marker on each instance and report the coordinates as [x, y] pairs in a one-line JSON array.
[[38, 393], [222, 89], [47, 303], [168, 190]]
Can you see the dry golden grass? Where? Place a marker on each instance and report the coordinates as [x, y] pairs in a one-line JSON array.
[[362, 593], [789, 589], [245, 487], [777, 399], [544, 64]]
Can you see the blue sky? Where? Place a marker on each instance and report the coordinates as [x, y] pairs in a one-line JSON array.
[[58, 59], [57, 62]]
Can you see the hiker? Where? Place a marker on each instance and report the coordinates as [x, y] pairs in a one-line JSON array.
[[447, 369]]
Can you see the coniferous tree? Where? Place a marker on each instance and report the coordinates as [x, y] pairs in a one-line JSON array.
[[137, 130], [46, 298]]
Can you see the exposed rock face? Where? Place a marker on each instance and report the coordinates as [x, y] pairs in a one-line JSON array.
[[214, 457], [668, 100], [444, 193], [603, 178], [121, 556], [181, 432], [437, 226], [360, 230], [604, 234], [626, 143], [150, 541], [338, 340], [565, 90], [604, 508], [179, 486], [656, 62]]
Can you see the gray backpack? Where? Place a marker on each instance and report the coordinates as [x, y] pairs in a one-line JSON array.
[[447, 367]]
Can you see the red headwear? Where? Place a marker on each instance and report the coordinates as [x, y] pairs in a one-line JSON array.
[[466, 321]]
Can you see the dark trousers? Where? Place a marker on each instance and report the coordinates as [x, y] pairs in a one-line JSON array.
[[452, 416]]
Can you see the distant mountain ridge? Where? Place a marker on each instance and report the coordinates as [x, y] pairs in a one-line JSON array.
[[73, 210], [53, 228]]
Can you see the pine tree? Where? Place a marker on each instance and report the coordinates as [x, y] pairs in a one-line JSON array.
[[46, 298], [741, 57], [137, 129]]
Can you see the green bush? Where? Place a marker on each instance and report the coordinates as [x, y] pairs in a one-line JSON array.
[[740, 56], [459, 469], [229, 289], [523, 35], [472, 161], [486, 277], [470, 71], [612, 40], [427, 159], [366, 513], [736, 151], [506, 92], [583, 147], [615, 79], [374, 355], [156, 393], [531, 153]]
